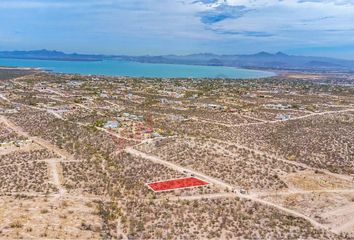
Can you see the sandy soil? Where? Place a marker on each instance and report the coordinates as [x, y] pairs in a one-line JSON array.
[[41, 217]]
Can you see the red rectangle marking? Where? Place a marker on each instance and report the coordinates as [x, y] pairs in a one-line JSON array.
[[176, 184]]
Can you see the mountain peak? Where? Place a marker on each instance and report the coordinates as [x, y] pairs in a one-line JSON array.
[[263, 54], [281, 54]]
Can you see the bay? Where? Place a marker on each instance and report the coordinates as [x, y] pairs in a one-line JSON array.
[[136, 69]]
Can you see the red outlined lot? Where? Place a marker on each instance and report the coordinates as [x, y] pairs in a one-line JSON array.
[[176, 184]]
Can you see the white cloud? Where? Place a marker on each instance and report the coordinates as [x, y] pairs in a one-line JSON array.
[[292, 21]]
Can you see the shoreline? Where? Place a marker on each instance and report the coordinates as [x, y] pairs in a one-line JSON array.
[[226, 72], [21, 68]]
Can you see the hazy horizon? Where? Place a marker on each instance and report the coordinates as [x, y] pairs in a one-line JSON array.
[[297, 27], [167, 54]]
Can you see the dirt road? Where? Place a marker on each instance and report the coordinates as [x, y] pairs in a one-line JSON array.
[[224, 185]]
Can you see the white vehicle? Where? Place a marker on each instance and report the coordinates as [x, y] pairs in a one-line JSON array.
[[243, 191]]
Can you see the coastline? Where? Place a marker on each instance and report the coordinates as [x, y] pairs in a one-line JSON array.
[[119, 68], [20, 68]]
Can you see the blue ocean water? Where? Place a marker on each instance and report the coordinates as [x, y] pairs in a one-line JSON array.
[[136, 69]]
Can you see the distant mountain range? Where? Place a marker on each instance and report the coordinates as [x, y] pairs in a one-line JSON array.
[[259, 60], [50, 55]]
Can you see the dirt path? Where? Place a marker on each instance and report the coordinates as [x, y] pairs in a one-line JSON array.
[[53, 164], [344, 218], [58, 116], [37, 140], [225, 185], [263, 122], [54, 170], [340, 176], [204, 196], [62, 153], [116, 134], [89, 109], [30, 146], [55, 114], [284, 193], [252, 118], [31, 161], [120, 107], [179, 168]]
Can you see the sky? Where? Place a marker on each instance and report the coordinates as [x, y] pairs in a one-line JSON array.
[[156, 27]]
